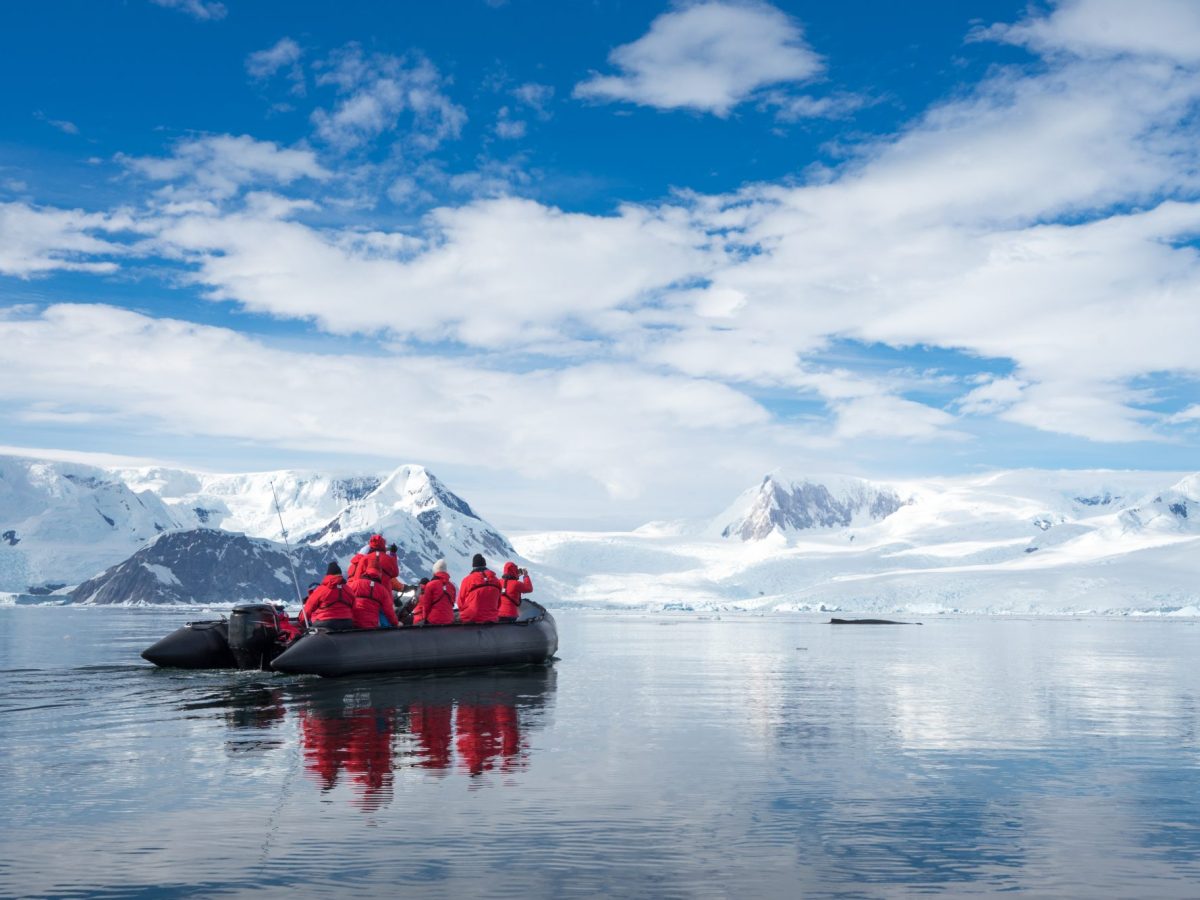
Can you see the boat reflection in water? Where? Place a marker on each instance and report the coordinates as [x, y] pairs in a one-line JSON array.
[[470, 723]]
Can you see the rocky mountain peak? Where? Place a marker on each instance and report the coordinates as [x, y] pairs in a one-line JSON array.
[[783, 504]]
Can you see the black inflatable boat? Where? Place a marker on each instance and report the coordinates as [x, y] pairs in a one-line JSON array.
[[252, 638], [533, 638]]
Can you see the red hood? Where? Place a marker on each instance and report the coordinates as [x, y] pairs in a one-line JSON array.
[[510, 569]]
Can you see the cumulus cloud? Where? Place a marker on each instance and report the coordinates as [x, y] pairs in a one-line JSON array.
[[627, 424], [201, 10], [284, 56], [507, 127], [495, 269], [376, 91], [217, 167], [993, 396], [708, 57], [946, 236], [1168, 29], [1045, 220], [36, 241], [535, 96]]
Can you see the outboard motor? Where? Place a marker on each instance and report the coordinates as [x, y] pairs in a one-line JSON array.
[[255, 635]]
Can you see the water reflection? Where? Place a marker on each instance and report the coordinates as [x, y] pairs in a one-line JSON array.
[[469, 724]]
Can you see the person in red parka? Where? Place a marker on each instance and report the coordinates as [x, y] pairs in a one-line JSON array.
[[331, 605], [436, 606], [371, 584], [479, 593], [513, 583]]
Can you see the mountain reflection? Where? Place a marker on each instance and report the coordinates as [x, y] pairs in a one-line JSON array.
[[469, 724]]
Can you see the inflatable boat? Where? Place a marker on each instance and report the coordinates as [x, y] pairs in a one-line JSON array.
[[532, 638], [254, 638]]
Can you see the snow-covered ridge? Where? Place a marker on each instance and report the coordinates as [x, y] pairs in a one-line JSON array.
[[61, 523], [1024, 541], [244, 502], [783, 504]]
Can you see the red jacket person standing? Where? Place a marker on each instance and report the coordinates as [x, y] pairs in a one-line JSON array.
[[513, 583], [479, 593]]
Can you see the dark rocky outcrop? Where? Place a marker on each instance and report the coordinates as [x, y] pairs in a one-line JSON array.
[[205, 565]]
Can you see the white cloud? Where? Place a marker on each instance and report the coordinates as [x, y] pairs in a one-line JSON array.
[[937, 238], [61, 124], [36, 241], [284, 55], [1187, 415], [1098, 411], [509, 128], [1030, 221], [627, 426], [888, 416], [216, 167], [531, 97], [376, 91], [993, 396], [201, 10], [1168, 29], [708, 56], [536, 96], [494, 269], [790, 108]]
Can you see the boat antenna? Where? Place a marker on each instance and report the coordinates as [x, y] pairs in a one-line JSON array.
[[291, 563]]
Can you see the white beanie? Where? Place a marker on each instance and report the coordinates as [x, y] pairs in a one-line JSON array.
[[439, 566]]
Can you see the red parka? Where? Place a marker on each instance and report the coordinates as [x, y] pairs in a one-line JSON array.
[[436, 606], [371, 586], [479, 597], [331, 599], [511, 588]]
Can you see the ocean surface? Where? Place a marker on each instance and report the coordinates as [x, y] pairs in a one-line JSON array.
[[660, 756]]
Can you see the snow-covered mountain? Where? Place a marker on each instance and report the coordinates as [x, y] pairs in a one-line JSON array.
[[1009, 541], [245, 503], [62, 523], [1013, 541], [783, 504], [426, 520]]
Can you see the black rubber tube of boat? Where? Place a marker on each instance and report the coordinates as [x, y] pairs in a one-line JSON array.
[[533, 638]]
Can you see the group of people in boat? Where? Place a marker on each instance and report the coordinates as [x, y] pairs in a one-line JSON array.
[[365, 596]]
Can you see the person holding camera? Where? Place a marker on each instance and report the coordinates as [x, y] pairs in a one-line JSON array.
[[513, 583]]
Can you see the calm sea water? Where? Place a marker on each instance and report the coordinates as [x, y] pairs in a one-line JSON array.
[[667, 756]]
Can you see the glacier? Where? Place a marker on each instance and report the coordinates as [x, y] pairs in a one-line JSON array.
[[1009, 542]]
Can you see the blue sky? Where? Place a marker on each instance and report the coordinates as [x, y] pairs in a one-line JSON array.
[[602, 261]]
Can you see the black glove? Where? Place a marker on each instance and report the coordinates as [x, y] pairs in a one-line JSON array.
[[392, 549]]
